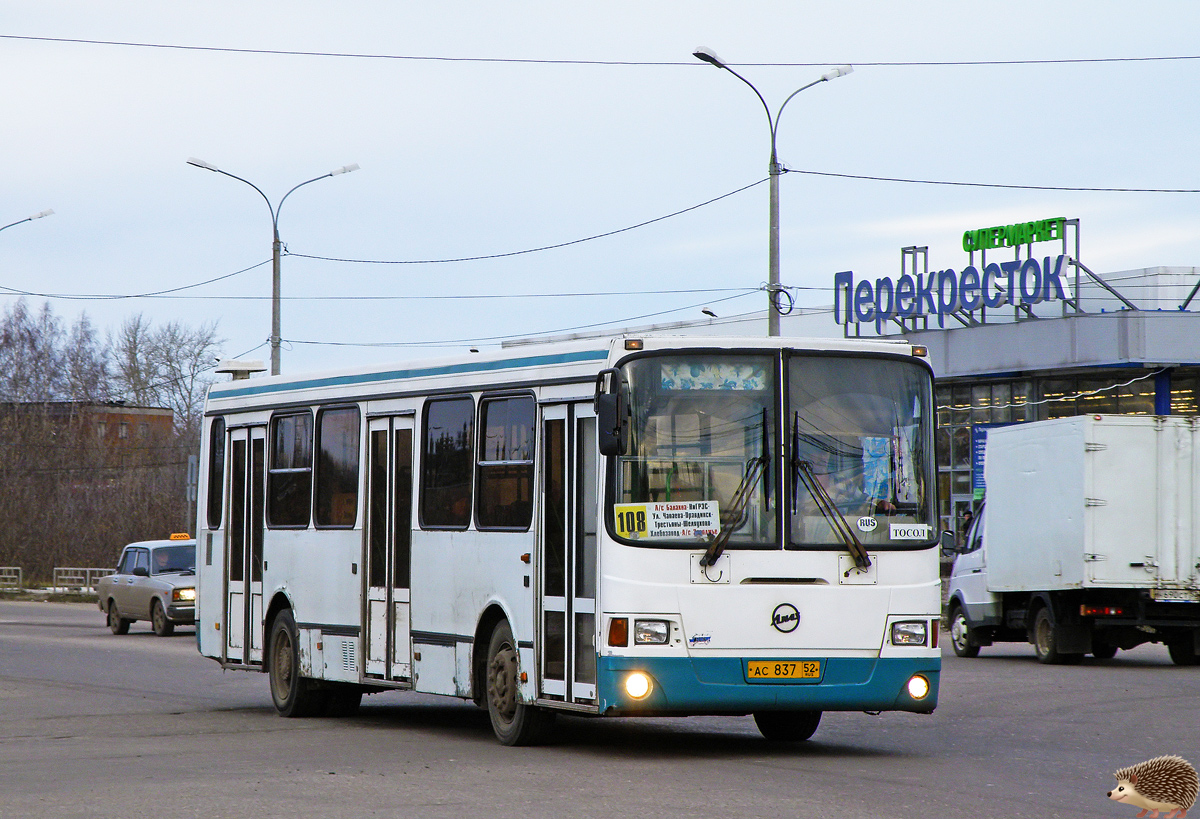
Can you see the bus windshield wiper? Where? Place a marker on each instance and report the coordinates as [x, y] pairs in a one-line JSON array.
[[756, 469], [803, 473]]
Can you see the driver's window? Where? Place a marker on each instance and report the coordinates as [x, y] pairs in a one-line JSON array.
[[142, 558], [975, 536]]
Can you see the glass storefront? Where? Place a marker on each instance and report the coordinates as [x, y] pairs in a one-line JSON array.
[[963, 404]]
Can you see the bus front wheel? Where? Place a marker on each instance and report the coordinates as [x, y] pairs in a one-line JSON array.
[[294, 696], [513, 722], [787, 726]]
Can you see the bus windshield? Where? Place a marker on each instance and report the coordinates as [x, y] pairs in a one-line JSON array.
[[860, 434], [699, 450], [707, 438]]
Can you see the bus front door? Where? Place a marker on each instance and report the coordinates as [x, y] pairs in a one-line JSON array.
[[244, 545], [387, 548], [567, 555]]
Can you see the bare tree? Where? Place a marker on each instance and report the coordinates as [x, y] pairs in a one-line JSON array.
[[70, 493], [30, 354], [183, 362], [86, 363], [133, 370]]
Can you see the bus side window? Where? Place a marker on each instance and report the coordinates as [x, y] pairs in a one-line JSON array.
[[337, 468], [447, 463], [289, 478], [216, 471], [505, 497]]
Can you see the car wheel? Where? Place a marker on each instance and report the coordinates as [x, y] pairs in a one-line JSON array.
[[116, 623], [513, 722], [158, 620], [787, 726], [1045, 643], [960, 634], [293, 695], [1183, 652]]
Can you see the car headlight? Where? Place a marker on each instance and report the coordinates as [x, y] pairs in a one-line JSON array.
[[651, 632], [910, 633], [183, 595]]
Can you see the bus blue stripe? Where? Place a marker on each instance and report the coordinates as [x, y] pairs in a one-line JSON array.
[[418, 372]]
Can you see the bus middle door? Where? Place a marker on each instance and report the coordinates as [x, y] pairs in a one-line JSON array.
[[567, 555], [387, 544]]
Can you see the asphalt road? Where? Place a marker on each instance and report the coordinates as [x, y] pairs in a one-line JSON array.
[[138, 726]]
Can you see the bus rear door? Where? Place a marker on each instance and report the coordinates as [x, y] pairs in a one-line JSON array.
[[387, 544], [244, 542]]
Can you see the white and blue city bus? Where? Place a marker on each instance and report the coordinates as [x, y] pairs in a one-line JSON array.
[[630, 526]]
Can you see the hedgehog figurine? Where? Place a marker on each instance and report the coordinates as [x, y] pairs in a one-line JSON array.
[[1165, 783]]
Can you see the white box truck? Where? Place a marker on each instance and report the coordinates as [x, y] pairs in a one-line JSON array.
[[1086, 542]]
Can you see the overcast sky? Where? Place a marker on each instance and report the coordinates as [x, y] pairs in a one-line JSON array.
[[546, 123]]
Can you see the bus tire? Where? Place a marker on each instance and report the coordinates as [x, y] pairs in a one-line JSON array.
[[787, 726], [158, 620], [116, 623], [342, 699], [293, 695], [513, 722]]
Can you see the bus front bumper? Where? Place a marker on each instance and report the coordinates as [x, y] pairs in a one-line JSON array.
[[719, 685]]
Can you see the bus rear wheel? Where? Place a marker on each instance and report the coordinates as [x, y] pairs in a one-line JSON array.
[[787, 726], [293, 695], [513, 722]]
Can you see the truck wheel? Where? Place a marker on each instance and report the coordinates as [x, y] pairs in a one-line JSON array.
[[787, 726], [293, 695], [1102, 649], [513, 722], [1183, 652], [960, 634], [1045, 643]]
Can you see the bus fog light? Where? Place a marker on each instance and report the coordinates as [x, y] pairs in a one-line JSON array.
[[637, 685], [918, 687], [651, 632], [910, 633]]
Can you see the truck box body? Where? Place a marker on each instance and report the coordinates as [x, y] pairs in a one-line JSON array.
[[1092, 502]]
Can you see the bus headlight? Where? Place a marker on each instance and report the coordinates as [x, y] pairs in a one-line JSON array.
[[183, 595], [909, 633], [637, 685], [651, 632], [918, 687]]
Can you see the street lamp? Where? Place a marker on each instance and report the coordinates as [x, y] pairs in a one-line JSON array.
[[774, 169], [49, 212], [275, 244]]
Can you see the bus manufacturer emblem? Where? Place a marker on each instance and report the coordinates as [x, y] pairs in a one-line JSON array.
[[785, 618]]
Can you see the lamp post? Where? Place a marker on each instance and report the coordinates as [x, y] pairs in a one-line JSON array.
[[774, 170], [275, 244], [49, 212]]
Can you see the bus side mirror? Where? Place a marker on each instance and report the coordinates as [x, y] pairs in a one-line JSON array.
[[611, 422], [949, 548]]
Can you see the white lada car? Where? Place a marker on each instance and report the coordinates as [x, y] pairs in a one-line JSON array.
[[156, 581]]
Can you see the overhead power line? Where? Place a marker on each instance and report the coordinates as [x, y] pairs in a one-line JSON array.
[[992, 184], [538, 61], [486, 339], [536, 249]]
